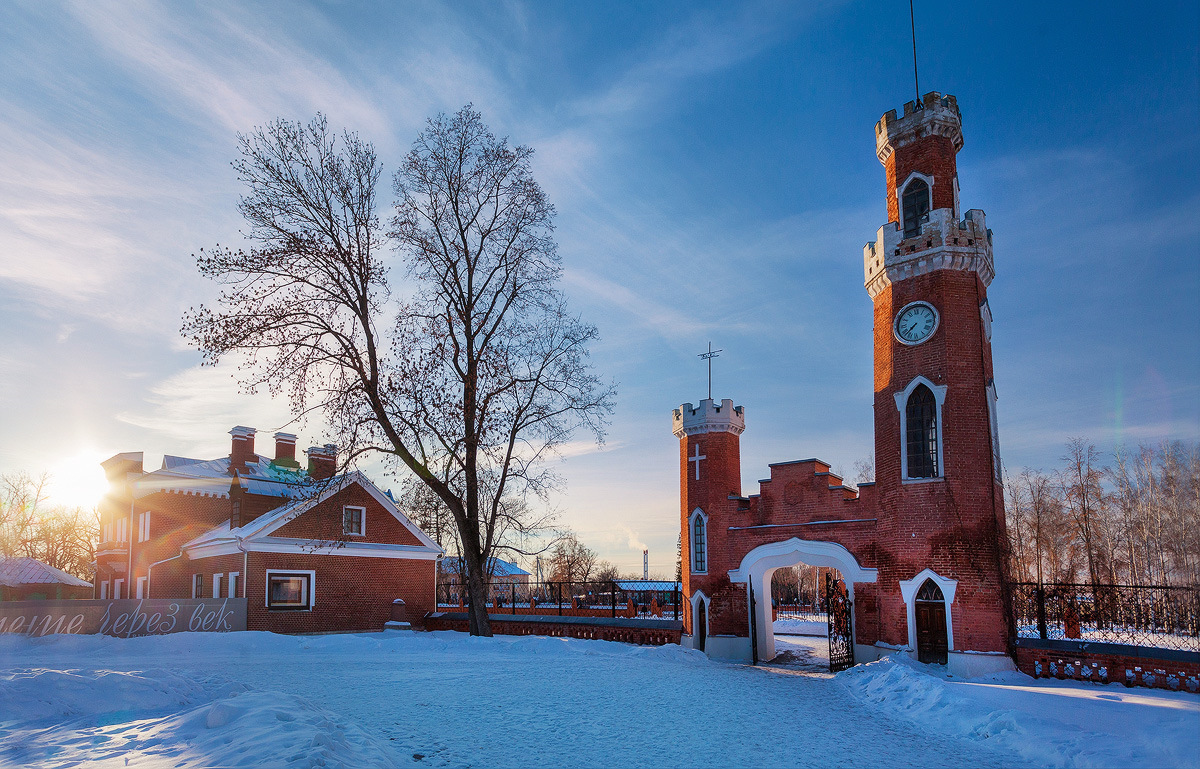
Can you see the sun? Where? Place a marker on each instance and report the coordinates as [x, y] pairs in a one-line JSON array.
[[77, 481]]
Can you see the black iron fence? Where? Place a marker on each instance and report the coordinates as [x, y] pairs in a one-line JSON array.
[[1137, 615], [640, 599]]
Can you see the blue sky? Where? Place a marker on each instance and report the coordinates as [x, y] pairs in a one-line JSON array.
[[714, 171]]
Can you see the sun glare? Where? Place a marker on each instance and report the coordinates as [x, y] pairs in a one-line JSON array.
[[77, 482]]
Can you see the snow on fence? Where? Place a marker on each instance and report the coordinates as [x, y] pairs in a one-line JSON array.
[[1150, 616], [631, 599]]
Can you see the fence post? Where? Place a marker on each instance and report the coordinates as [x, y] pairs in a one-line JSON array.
[[675, 592], [514, 597], [612, 589], [1041, 611], [559, 586]]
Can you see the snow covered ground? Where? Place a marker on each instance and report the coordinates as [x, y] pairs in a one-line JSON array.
[[802, 627], [444, 699]]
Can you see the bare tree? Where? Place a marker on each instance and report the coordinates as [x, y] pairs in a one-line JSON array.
[[473, 377], [1083, 495], [570, 560], [62, 537]]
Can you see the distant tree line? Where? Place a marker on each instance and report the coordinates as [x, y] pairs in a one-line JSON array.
[[58, 536], [1134, 519]]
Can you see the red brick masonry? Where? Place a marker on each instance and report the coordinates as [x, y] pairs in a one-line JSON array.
[[1109, 663], [635, 631]]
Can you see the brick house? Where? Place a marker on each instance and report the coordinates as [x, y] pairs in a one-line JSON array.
[[311, 551], [502, 576]]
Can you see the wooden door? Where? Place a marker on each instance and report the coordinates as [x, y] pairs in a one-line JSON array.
[[699, 626], [931, 632]]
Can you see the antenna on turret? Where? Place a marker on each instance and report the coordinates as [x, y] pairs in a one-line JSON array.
[[912, 17], [708, 356]]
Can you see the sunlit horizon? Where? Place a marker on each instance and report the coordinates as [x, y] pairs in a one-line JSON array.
[[77, 481]]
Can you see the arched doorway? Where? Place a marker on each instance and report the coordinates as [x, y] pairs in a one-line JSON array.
[[699, 624], [932, 641], [759, 566]]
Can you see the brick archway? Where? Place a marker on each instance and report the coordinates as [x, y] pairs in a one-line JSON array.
[[758, 565]]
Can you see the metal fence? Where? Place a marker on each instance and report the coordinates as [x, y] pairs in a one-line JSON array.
[[810, 612], [640, 599], [1157, 616]]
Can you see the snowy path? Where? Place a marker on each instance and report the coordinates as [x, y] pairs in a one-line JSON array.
[[256, 699]]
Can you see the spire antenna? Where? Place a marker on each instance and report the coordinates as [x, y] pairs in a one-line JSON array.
[[708, 356], [912, 17]]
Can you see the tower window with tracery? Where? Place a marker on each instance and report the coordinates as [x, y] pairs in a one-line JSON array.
[[916, 207], [921, 433], [699, 544]]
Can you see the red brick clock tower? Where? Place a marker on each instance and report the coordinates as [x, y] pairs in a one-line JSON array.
[[936, 447]]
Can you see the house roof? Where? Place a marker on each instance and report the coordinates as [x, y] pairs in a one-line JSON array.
[[212, 478], [30, 571], [261, 528], [500, 568]]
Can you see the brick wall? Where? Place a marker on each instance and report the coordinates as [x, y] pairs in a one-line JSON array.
[[667, 633], [325, 521], [1131, 670]]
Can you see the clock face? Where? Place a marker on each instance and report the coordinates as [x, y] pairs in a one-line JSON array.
[[916, 323]]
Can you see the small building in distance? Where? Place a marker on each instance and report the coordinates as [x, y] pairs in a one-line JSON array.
[[28, 579], [310, 550], [503, 576]]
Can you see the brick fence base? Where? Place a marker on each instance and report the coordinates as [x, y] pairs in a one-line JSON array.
[[1109, 663], [634, 631]]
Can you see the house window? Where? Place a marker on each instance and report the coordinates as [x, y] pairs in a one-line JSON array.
[[354, 520], [290, 590], [118, 588], [217, 578], [197, 586], [233, 583], [141, 587], [916, 207], [921, 433], [143, 526], [122, 529], [699, 542], [104, 590]]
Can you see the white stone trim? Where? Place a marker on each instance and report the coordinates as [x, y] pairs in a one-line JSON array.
[[762, 562], [294, 546], [994, 427], [216, 582], [232, 589], [900, 196], [939, 397], [117, 585], [692, 541], [908, 591], [697, 598], [312, 587], [141, 587]]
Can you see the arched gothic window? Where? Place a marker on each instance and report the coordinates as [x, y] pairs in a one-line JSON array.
[[699, 543], [930, 592], [916, 207], [921, 433]]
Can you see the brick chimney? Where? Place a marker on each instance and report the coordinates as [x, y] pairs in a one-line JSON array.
[[241, 454], [322, 461], [285, 451]]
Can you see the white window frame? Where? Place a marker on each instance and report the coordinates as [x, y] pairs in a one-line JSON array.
[[122, 529], [143, 526], [312, 589], [117, 585], [141, 587], [692, 541], [939, 397], [900, 197], [216, 583], [107, 535], [908, 591], [233, 583], [104, 590], [197, 583], [362, 532]]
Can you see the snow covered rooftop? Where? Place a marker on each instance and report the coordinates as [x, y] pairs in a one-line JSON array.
[[500, 568], [211, 477], [30, 571]]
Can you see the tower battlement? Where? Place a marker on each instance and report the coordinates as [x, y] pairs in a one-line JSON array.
[[938, 115], [941, 244], [708, 418]]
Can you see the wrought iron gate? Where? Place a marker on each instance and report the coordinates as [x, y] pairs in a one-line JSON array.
[[841, 636]]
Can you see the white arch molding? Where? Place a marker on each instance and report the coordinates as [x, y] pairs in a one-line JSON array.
[[908, 591], [698, 598], [761, 563], [904, 188], [697, 513]]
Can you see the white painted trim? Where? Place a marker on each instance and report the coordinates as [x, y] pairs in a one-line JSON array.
[[216, 584], [363, 521], [117, 585], [141, 587], [939, 397], [994, 427], [762, 562], [692, 541], [908, 591], [229, 546], [232, 589], [195, 591], [312, 587], [900, 196], [104, 590]]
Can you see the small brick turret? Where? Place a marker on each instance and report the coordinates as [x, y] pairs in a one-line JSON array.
[[241, 452]]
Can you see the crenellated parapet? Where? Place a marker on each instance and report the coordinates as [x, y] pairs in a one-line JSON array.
[[937, 115], [942, 244], [708, 417]]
